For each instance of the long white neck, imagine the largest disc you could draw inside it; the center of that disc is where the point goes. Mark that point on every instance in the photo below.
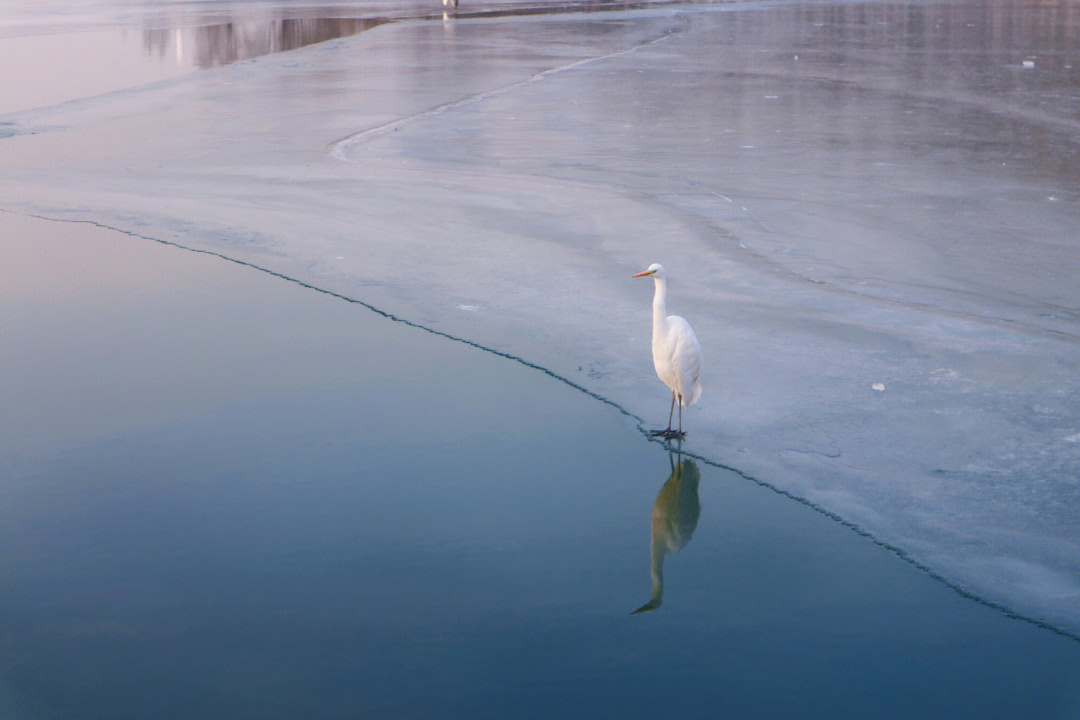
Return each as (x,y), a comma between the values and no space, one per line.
(656,568)
(659,307)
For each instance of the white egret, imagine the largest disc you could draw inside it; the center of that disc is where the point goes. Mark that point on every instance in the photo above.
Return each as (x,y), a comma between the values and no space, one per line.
(675,351)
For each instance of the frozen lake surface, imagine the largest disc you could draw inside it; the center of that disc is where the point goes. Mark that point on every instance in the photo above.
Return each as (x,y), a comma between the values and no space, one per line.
(846,196)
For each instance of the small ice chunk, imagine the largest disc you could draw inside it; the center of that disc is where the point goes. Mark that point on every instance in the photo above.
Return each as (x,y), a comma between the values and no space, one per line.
(468,308)
(1073,438)
(1029,64)
(878,387)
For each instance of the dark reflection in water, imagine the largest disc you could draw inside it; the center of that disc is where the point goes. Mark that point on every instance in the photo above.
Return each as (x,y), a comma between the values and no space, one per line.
(674,518)
(224,43)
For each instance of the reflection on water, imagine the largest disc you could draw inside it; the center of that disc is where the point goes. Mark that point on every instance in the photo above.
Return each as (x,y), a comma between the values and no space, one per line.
(224,43)
(674,518)
(208,42)
(211,42)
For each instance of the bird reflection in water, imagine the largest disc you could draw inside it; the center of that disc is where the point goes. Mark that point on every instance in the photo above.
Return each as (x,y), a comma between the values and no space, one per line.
(674,518)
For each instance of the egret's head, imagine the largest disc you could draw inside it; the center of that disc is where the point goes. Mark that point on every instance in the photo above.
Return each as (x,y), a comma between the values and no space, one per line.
(656,269)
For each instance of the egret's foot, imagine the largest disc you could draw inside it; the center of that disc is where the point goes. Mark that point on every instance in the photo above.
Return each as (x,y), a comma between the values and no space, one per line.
(668,434)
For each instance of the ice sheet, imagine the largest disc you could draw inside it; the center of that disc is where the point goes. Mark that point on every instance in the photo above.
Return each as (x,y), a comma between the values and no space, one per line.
(867,211)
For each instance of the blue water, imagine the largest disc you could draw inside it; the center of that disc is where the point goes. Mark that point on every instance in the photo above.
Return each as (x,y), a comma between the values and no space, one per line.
(259,501)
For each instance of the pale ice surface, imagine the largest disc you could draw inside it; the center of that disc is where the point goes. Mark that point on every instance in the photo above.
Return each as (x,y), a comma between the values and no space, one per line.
(867,210)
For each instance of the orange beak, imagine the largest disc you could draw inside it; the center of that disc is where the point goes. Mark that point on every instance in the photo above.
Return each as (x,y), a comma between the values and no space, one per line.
(643,274)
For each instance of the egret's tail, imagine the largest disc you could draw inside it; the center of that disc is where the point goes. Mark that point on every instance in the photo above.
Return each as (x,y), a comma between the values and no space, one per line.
(687,402)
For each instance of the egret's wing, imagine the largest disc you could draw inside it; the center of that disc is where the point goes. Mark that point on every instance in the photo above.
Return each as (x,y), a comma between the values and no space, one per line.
(686,359)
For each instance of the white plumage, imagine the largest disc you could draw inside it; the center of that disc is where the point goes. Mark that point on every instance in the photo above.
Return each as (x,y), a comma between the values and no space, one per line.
(676,352)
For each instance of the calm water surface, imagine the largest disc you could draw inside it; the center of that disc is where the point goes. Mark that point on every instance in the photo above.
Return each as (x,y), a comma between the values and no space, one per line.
(225,495)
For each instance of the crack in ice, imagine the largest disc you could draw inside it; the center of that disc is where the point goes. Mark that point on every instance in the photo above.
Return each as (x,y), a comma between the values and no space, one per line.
(338,148)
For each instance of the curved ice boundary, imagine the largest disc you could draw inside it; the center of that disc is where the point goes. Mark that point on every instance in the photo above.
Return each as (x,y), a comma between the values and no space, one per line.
(887,305)
(643,428)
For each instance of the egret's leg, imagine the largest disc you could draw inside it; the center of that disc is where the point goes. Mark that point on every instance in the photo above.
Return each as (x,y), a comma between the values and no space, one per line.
(669,433)
(671,414)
